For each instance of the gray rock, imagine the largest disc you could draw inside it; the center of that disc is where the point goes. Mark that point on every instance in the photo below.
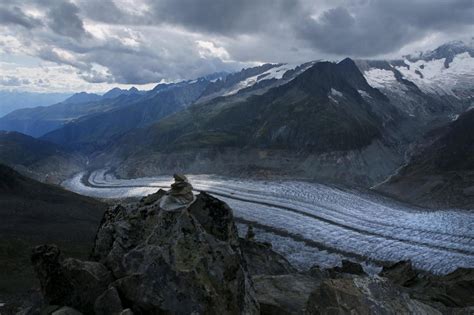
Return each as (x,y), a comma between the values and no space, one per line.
(216,217)
(108,303)
(284,294)
(69,281)
(348,267)
(363,295)
(262,260)
(180,195)
(178,261)
(401,273)
(454,290)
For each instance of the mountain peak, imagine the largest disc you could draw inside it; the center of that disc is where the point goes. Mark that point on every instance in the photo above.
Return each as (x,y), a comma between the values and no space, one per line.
(446,51)
(82,97)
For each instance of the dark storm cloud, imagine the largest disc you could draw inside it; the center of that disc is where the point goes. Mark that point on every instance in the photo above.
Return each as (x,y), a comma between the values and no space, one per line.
(379,27)
(225,16)
(64,19)
(143,41)
(16,16)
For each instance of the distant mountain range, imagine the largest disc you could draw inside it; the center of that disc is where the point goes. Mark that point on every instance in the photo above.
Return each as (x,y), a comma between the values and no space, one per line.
(12,100)
(40,120)
(354,122)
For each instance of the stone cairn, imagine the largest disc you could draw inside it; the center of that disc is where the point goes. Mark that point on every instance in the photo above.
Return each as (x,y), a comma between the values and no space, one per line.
(180,195)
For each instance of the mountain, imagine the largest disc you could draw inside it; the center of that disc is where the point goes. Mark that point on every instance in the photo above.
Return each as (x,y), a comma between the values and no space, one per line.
(441,173)
(94,131)
(40,120)
(82,97)
(116,92)
(34,213)
(12,100)
(39,159)
(324,123)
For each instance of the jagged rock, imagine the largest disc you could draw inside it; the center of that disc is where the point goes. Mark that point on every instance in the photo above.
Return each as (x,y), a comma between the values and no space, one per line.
(348,267)
(180,195)
(181,268)
(284,294)
(216,217)
(108,303)
(69,281)
(451,290)
(176,261)
(152,198)
(363,295)
(262,260)
(401,273)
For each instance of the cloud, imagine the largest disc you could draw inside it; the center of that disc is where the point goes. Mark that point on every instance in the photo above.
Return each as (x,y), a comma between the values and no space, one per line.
(64,19)
(379,27)
(13,81)
(15,16)
(106,42)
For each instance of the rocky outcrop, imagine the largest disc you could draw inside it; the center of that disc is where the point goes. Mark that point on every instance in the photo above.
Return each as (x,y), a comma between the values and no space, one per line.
(262,260)
(363,295)
(454,290)
(156,257)
(284,294)
(176,253)
(69,282)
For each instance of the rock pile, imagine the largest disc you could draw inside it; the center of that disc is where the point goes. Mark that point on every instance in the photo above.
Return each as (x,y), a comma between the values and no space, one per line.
(176,253)
(180,194)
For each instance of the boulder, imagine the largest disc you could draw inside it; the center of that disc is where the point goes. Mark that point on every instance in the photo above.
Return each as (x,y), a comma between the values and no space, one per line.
(152,198)
(262,260)
(108,303)
(363,295)
(69,281)
(401,273)
(347,268)
(284,294)
(454,290)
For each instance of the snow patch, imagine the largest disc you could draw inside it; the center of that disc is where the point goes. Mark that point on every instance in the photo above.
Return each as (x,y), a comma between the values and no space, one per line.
(437,79)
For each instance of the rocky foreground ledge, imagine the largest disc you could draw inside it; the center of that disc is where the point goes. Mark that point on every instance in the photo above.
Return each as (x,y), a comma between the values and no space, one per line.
(176,253)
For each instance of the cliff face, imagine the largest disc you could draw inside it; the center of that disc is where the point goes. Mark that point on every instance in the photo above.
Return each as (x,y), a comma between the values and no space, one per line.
(176,253)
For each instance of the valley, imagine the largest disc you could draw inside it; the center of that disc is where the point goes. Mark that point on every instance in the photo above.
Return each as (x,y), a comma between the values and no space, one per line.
(318,224)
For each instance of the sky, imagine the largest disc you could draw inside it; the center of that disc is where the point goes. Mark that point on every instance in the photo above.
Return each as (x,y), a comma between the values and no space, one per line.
(94,45)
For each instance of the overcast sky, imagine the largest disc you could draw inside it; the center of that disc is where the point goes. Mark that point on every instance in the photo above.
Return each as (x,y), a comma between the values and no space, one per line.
(93,45)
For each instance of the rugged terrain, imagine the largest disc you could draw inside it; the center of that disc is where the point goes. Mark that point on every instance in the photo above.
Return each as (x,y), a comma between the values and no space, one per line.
(42,160)
(33,213)
(174,252)
(442,172)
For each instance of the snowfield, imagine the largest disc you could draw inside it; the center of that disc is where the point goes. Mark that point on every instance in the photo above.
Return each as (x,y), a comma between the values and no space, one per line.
(318,224)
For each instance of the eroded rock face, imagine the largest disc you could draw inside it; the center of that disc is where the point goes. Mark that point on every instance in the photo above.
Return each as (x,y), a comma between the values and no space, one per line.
(153,260)
(363,295)
(284,294)
(454,290)
(262,260)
